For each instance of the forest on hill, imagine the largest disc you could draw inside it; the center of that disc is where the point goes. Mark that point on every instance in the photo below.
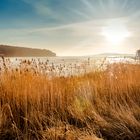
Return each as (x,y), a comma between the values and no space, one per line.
(13,51)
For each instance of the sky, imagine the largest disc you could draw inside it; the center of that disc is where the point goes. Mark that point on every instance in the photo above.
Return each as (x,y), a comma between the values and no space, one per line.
(72,27)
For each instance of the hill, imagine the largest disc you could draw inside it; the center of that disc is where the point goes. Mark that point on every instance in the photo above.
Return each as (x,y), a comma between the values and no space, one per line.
(13,51)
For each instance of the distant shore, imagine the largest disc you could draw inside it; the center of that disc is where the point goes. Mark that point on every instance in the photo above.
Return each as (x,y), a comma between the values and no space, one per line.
(13,51)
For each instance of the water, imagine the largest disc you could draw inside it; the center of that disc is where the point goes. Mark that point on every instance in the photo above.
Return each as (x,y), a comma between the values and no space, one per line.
(63,66)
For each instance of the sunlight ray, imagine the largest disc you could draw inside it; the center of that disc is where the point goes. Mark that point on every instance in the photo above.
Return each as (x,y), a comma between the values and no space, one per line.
(78,12)
(101,3)
(88,4)
(124,4)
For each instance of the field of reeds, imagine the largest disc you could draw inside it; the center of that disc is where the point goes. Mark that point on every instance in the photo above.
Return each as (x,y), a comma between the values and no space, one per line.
(103,104)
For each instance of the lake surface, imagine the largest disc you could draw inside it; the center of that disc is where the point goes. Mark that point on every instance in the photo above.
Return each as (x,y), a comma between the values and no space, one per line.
(64,66)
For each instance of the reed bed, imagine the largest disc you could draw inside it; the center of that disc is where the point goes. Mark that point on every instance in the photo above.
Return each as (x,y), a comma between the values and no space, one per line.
(102,104)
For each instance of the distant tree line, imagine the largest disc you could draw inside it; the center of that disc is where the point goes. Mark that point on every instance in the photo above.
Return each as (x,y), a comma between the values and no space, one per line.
(13,51)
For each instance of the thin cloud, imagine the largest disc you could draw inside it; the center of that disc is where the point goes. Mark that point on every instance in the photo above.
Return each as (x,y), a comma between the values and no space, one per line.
(41,7)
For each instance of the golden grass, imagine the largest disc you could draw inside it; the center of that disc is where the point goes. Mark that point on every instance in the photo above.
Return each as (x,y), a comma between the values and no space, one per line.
(97,105)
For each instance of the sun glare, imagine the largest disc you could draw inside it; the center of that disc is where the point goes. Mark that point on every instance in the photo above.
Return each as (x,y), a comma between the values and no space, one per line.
(115,33)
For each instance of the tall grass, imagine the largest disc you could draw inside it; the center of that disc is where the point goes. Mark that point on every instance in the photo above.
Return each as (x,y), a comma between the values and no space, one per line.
(97,105)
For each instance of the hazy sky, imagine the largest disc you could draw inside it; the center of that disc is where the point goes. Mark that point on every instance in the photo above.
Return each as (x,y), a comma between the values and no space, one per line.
(72,27)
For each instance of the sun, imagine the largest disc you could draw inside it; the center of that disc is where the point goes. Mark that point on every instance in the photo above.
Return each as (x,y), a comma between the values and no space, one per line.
(115,33)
